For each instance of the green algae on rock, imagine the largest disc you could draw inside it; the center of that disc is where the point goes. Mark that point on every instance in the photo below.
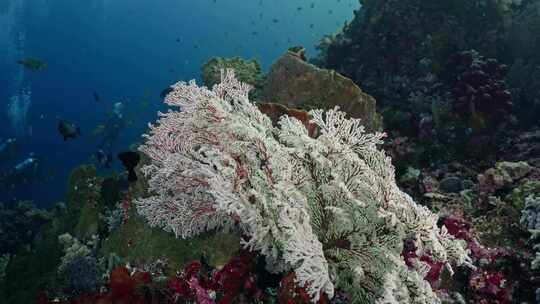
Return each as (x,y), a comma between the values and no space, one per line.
(84,201)
(248,71)
(136,242)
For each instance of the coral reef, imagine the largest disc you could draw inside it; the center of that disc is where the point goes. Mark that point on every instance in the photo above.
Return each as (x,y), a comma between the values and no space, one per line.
(273,195)
(4,261)
(530,220)
(524,74)
(479,89)
(19,225)
(326,207)
(439,75)
(84,201)
(78,269)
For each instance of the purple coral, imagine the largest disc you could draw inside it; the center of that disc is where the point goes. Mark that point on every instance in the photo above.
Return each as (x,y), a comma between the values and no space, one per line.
(479,87)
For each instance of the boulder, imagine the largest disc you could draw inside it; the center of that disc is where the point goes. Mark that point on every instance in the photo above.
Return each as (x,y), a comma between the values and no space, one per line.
(295,83)
(276,110)
(451,184)
(502,175)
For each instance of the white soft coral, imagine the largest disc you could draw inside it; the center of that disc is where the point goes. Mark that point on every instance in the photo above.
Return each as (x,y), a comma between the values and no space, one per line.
(300,200)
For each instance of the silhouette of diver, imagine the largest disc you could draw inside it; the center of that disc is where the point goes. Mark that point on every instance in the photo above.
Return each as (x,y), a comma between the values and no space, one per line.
(114,124)
(24,172)
(8,149)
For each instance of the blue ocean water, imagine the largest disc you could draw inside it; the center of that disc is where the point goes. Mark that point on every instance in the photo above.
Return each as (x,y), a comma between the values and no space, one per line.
(125,51)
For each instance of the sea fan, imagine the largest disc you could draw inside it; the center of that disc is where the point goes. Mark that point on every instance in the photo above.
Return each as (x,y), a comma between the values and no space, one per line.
(326,207)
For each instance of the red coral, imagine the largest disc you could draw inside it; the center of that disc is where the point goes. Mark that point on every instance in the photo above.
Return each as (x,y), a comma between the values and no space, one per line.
(180,288)
(291,293)
(231,279)
(435,268)
(235,282)
(489,287)
(486,287)
(121,283)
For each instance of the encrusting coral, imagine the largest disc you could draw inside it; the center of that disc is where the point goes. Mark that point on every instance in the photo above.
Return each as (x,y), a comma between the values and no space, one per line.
(327,208)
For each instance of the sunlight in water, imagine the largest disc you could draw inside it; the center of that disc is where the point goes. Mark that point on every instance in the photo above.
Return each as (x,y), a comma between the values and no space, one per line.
(17,112)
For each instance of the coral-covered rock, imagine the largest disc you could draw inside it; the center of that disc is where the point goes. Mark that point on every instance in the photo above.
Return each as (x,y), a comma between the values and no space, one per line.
(298,84)
(248,71)
(20,224)
(503,174)
(451,184)
(479,88)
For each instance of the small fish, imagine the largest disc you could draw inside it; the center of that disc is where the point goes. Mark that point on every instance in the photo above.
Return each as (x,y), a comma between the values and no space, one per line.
(33,64)
(178,40)
(68,129)
(311,26)
(130,160)
(275,20)
(312,5)
(96,96)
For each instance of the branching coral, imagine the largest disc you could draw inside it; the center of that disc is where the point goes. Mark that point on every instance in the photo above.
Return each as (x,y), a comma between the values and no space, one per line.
(79,268)
(530,220)
(326,207)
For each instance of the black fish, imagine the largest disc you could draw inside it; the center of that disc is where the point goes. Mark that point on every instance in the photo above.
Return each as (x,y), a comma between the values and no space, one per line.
(165,92)
(68,130)
(96,96)
(130,160)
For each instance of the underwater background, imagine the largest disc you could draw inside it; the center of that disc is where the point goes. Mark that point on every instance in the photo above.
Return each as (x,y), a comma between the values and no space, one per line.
(270,151)
(126,51)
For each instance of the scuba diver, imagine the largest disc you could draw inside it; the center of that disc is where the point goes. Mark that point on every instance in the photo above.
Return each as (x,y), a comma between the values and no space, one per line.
(111,131)
(8,149)
(24,172)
